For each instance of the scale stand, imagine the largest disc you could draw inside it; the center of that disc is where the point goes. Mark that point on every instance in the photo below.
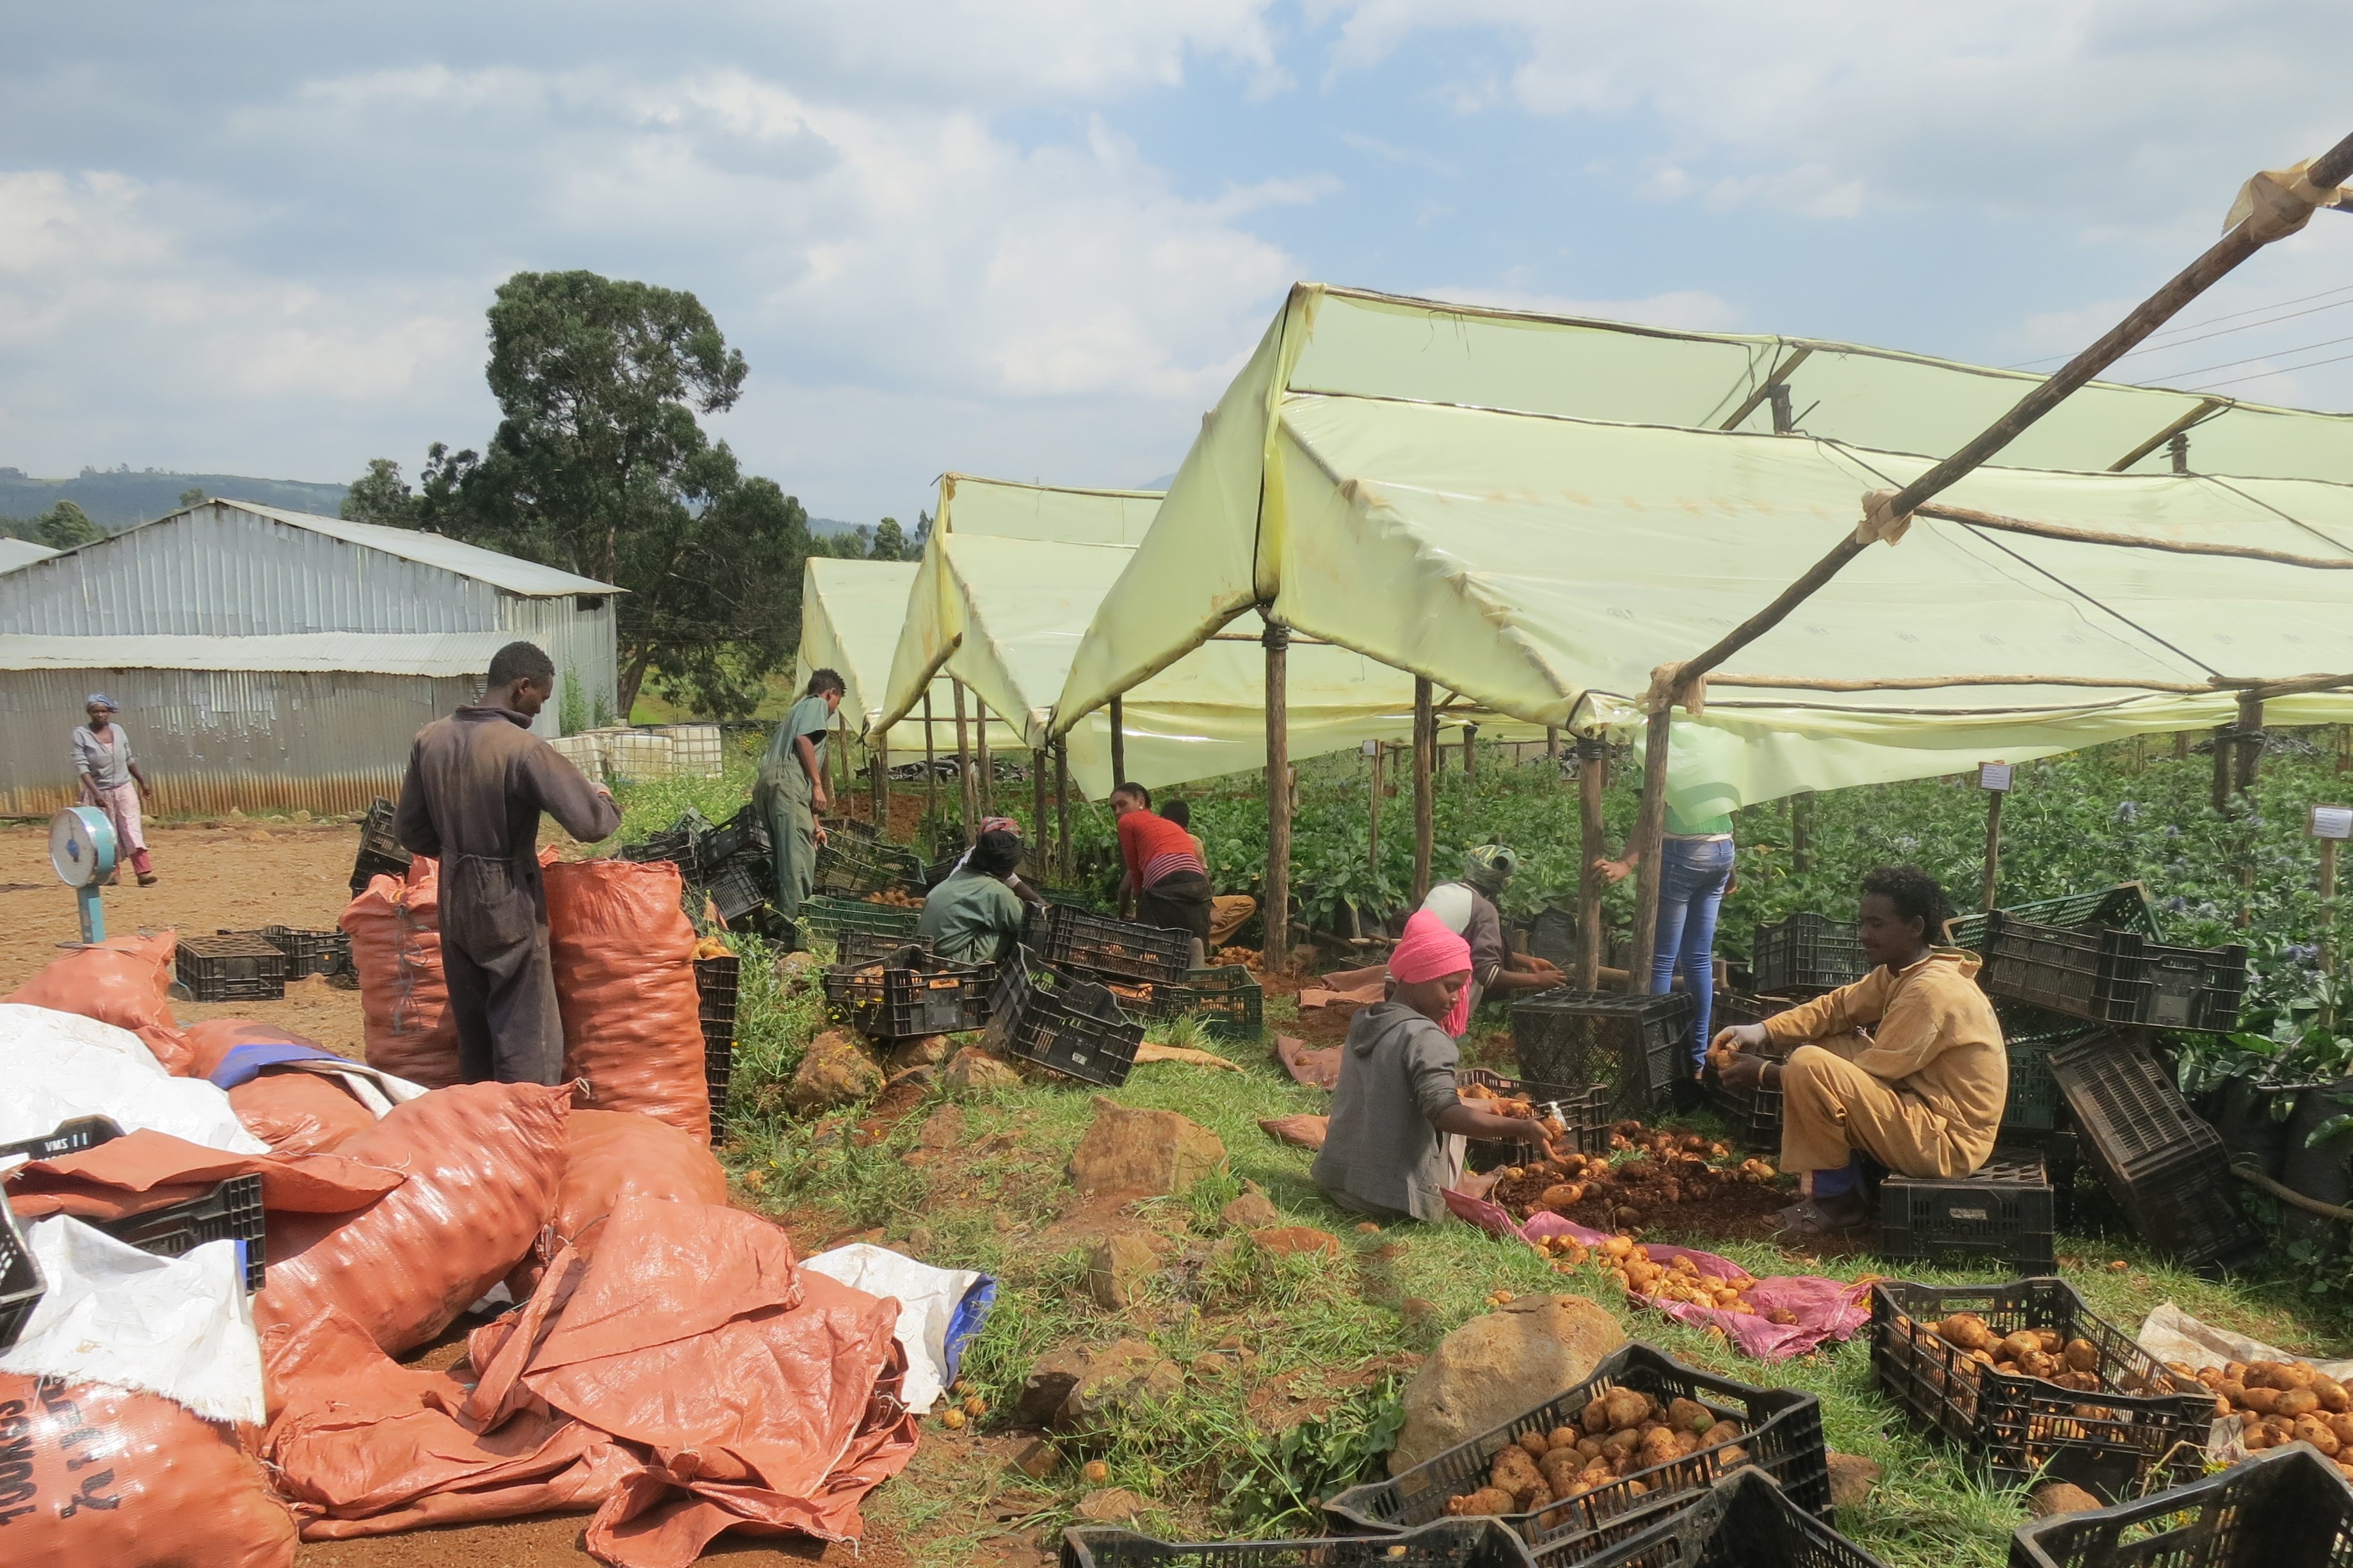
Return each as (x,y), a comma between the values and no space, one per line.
(81,848)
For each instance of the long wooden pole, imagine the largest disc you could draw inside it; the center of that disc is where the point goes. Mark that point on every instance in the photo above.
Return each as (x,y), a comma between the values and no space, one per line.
(986,768)
(2250,741)
(1373,814)
(1993,848)
(1041,831)
(1118,743)
(1592,786)
(931,770)
(882,754)
(1062,806)
(2328,172)
(1471,759)
(1650,826)
(1425,818)
(968,794)
(1277,913)
(2328,918)
(1801,831)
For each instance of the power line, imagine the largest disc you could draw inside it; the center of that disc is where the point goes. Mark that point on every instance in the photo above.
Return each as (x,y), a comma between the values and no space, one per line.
(2283,370)
(2211,321)
(2251,359)
(2245,327)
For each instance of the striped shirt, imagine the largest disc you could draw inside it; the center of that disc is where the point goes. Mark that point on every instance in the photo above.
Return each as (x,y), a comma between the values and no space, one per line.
(1156,849)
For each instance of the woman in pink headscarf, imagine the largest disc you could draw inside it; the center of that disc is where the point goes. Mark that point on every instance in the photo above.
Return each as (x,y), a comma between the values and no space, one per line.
(1385,1153)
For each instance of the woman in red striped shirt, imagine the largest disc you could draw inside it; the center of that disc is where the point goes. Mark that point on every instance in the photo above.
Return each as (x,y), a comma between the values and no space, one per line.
(1164,871)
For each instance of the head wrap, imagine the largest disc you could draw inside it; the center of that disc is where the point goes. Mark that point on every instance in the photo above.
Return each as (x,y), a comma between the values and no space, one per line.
(1452,902)
(1000,824)
(1427,951)
(1489,867)
(99,700)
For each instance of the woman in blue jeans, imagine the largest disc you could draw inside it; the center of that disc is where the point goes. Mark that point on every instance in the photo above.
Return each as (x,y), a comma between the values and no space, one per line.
(1694,878)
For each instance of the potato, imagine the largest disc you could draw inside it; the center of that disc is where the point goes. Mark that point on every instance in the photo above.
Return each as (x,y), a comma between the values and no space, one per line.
(2295,1402)
(2052,1340)
(1561,1466)
(2343,1427)
(1535,1443)
(2017,1347)
(1485,1501)
(2331,1394)
(2082,1355)
(1966,1330)
(2221,1407)
(2261,1374)
(2312,1429)
(1628,1407)
(1513,1470)
(1588,1448)
(1595,1417)
(1534,1498)
(1689,1415)
(2261,1400)
(2294,1374)
(2232,1390)
(2040,1364)
(1561,1195)
(2236,1371)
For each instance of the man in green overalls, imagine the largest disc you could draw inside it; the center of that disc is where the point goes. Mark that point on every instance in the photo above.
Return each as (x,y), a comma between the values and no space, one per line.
(791,790)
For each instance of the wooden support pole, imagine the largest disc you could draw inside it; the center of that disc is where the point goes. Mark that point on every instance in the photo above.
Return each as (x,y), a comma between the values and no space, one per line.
(1470,758)
(1650,826)
(2329,170)
(1552,742)
(931,767)
(967,793)
(1425,764)
(2344,749)
(2220,796)
(1993,847)
(1373,813)
(1062,806)
(1041,831)
(1277,913)
(2250,741)
(985,767)
(1118,743)
(1801,831)
(2181,745)
(881,756)
(2329,907)
(1592,786)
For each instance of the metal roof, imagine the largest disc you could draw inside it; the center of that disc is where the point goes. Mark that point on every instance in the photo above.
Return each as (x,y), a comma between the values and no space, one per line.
(377,653)
(511,574)
(15,552)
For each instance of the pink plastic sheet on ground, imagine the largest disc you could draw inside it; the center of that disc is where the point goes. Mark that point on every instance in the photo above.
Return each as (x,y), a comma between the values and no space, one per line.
(1825,1309)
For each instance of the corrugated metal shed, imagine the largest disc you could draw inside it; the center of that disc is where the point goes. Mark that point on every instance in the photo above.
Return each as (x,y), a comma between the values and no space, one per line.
(355,653)
(15,552)
(237,569)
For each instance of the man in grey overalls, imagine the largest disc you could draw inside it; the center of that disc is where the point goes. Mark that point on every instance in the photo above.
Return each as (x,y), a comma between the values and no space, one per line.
(791,790)
(477,783)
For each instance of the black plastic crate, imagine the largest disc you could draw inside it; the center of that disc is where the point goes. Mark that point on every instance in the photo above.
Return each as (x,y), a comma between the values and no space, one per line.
(874,947)
(1632,1046)
(2034,1107)
(2125,907)
(1806,951)
(739,889)
(70,1137)
(308,952)
(1086,943)
(837,917)
(21,1284)
(2195,988)
(1744,1522)
(235,967)
(230,1212)
(1584,1112)
(1230,1003)
(741,834)
(2004,1212)
(1754,1117)
(1062,1021)
(852,865)
(897,1000)
(715,983)
(2095,973)
(2282,1507)
(1781,1432)
(2169,1170)
(2113,1444)
(1454,1543)
(381,852)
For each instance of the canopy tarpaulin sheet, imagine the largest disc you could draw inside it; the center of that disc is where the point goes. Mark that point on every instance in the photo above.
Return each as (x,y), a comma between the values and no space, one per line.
(1543,566)
(1010,582)
(850,614)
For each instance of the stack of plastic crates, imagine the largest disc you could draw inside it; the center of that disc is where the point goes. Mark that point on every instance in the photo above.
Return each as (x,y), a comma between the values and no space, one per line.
(1806,952)
(1074,940)
(716,982)
(2005,1211)
(2104,976)
(1633,1047)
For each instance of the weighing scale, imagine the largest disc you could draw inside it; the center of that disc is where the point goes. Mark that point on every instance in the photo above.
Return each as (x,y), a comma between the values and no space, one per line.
(81,847)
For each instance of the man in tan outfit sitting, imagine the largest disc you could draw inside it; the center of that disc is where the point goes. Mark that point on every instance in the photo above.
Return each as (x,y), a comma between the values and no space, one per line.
(1906,1065)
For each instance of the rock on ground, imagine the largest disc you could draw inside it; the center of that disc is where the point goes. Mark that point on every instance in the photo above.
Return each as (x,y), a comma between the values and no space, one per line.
(1142,1152)
(927,1051)
(835,1071)
(1119,1266)
(1073,1384)
(1289,1240)
(1853,1479)
(1112,1505)
(1495,1366)
(974,1071)
(1252,1211)
(2060,1496)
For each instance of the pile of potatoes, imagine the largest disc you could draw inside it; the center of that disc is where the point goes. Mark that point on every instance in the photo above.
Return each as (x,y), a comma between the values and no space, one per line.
(1515,1105)
(2280,1402)
(2031,1353)
(1672,1168)
(1678,1280)
(896,898)
(1619,1433)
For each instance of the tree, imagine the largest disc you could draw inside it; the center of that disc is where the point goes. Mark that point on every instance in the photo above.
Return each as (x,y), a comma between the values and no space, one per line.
(66,526)
(193,496)
(380,495)
(922,535)
(890,543)
(600,465)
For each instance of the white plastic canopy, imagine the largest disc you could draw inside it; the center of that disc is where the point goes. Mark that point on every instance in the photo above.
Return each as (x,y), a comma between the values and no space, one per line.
(850,614)
(1543,565)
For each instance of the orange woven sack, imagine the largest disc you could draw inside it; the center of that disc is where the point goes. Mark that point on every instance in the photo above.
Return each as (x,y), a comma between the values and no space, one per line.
(484,1161)
(624,954)
(91,1474)
(292,1110)
(605,1149)
(125,981)
(396,930)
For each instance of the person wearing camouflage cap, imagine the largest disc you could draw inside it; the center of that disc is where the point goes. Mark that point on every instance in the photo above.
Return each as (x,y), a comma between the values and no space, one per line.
(1467,908)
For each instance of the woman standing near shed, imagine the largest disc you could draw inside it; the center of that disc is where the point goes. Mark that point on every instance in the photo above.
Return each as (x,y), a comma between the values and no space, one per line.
(111,781)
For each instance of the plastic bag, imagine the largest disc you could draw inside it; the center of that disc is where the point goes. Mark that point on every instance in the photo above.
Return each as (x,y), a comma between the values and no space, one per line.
(179,1327)
(484,1161)
(93,1475)
(395,932)
(125,981)
(624,956)
(63,1065)
(940,1309)
(605,1149)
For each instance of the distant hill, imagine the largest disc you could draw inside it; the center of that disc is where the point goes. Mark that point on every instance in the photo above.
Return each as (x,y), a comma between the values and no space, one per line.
(116,499)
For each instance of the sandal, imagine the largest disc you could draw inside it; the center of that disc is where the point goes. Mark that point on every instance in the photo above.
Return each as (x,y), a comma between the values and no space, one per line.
(148,878)
(1805,1222)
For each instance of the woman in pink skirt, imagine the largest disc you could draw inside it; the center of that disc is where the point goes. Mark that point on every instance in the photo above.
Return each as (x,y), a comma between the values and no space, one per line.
(111,781)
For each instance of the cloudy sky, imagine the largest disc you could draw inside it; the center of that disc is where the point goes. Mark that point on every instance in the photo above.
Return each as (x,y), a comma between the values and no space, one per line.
(1034,237)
